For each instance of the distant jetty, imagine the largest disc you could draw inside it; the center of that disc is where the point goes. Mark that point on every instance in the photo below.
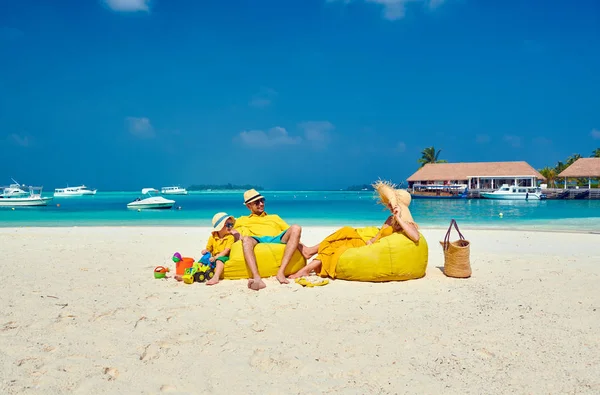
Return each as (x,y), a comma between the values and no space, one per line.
(222,187)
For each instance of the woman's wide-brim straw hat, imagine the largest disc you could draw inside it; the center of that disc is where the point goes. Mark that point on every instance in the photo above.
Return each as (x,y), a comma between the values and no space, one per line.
(252,195)
(388,196)
(219,220)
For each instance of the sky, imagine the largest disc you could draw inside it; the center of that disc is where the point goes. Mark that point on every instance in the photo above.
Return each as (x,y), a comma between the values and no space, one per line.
(295,94)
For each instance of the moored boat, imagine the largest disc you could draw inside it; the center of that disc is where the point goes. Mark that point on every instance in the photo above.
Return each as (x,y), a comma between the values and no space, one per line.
(176,190)
(513,192)
(34,199)
(458,191)
(151,202)
(81,190)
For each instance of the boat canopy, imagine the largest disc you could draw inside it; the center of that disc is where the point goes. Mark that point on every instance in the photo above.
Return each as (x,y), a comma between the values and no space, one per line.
(146,190)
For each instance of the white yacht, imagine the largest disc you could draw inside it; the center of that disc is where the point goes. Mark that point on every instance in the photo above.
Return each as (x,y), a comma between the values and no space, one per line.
(81,190)
(173,191)
(151,202)
(513,192)
(34,199)
(13,190)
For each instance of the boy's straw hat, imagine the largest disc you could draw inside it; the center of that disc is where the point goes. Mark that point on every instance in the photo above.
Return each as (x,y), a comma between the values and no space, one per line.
(251,195)
(219,220)
(389,195)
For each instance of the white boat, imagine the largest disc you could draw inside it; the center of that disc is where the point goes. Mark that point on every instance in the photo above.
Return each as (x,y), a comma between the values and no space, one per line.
(151,202)
(34,199)
(173,191)
(13,190)
(81,190)
(512,192)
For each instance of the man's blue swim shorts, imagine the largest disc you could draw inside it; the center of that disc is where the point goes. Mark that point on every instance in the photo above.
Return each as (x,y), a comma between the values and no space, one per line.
(270,239)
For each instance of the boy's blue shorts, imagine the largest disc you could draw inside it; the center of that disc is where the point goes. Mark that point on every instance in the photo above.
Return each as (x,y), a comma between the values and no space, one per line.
(270,239)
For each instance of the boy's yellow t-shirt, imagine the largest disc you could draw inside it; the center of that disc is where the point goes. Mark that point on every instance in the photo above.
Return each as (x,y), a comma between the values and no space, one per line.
(216,244)
(260,225)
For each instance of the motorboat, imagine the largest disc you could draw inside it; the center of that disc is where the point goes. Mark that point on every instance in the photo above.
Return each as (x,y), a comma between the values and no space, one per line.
(177,190)
(151,202)
(13,190)
(513,192)
(455,191)
(81,190)
(34,199)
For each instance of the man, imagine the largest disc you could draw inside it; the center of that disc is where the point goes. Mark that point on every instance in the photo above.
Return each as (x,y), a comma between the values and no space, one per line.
(260,227)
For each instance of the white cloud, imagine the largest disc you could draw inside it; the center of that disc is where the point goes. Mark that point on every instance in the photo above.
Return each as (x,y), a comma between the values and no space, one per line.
(515,141)
(595,133)
(317,132)
(273,137)
(396,9)
(22,141)
(401,146)
(482,139)
(140,127)
(263,98)
(128,5)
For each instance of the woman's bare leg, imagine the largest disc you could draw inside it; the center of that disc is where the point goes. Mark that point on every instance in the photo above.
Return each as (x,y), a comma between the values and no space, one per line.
(315,265)
(308,252)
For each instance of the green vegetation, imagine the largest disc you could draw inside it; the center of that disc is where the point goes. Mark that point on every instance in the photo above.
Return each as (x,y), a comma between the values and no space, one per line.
(429,155)
(551,173)
(226,187)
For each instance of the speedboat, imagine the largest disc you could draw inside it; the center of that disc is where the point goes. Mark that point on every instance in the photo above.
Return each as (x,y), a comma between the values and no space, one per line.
(81,190)
(13,190)
(173,191)
(34,199)
(151,202)
(513,192)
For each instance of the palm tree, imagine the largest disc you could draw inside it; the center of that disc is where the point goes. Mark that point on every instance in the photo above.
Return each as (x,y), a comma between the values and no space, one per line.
(550,175)
(560,166)
(595,153)
(429,155)
(572,159)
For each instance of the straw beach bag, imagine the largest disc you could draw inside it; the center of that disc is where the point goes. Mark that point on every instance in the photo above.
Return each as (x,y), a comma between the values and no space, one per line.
(456,254)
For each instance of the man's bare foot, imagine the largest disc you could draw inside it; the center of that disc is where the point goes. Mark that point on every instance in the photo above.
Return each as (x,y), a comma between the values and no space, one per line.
(256,284)
(281,278)
(213,281)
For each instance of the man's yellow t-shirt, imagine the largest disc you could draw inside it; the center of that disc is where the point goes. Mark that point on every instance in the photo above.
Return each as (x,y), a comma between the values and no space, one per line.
(216,244)
(260,225)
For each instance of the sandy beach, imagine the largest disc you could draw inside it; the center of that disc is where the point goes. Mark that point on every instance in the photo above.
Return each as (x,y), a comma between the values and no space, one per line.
(81,313)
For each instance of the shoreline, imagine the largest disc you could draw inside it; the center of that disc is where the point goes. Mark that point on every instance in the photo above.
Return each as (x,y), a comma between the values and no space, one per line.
(320,227)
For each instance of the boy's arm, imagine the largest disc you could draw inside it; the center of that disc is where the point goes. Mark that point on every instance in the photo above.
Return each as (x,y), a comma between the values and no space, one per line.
(209,245)
(225,252)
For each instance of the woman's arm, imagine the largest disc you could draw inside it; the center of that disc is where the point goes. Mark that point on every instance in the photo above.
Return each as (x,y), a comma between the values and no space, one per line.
(388,222)
(409,229)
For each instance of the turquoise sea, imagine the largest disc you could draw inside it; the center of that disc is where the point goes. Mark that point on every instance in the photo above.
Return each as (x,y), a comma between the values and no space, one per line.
(308,208)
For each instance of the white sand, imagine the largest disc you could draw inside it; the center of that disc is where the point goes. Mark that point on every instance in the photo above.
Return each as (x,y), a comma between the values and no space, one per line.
(81,313)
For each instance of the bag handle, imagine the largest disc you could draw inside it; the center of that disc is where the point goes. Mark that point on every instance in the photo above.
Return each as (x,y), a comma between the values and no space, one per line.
(447,237)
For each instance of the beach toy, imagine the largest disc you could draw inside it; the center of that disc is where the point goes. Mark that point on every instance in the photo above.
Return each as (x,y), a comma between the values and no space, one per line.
(160,271)
(205,259)
(182,264)
(176,257)
(198,273)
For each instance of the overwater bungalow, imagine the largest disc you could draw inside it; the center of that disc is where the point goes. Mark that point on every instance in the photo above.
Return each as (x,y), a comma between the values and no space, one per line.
(587,168)
(475,175)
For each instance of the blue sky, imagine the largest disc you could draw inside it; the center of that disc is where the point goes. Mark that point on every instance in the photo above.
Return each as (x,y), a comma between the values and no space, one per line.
(125,94)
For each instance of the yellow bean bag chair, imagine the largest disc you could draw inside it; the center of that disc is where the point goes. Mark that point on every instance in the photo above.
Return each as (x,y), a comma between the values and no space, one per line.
(268,259)
(393,258)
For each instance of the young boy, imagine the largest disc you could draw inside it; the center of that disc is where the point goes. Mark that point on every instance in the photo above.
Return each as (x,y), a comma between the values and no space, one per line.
(219,243)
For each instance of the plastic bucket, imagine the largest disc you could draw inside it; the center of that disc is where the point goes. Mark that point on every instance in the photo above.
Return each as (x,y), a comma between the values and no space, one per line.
(183,264)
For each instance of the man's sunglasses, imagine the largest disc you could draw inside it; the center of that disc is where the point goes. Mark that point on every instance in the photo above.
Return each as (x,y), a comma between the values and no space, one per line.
(259,201)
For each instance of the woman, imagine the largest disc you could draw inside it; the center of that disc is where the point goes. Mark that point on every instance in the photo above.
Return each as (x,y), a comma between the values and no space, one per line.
(332,247)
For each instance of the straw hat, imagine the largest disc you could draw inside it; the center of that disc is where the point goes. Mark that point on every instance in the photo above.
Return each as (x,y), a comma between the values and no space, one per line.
(251,195)
(219,220)
(387,195)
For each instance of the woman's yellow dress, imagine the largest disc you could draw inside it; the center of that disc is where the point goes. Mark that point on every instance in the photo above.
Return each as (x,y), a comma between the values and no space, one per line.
(334,245)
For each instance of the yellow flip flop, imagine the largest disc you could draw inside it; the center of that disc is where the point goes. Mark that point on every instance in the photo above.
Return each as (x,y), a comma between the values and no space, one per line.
(305,282)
